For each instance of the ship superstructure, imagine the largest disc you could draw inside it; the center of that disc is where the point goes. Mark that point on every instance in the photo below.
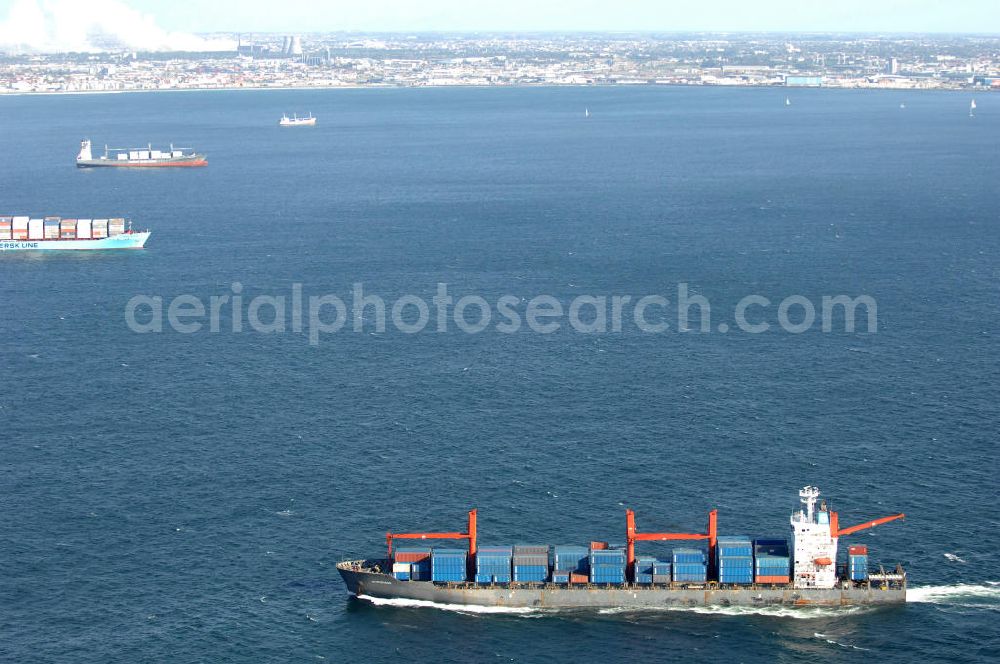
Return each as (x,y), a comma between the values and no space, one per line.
(145,157)
(731,570)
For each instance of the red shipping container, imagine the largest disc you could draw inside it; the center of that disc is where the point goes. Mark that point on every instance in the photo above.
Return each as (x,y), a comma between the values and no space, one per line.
(574,577)
(411,556)
(771,579)
(599,546)
(858,550)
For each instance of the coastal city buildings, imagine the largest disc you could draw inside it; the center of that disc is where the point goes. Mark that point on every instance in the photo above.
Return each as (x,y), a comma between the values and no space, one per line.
(338,60)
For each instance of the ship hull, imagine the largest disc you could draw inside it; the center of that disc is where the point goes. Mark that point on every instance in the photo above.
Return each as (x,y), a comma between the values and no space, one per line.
(182,162)
(124,241)
(368,583)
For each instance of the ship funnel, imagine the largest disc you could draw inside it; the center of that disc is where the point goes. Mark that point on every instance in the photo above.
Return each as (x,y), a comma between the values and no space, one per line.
(85,154)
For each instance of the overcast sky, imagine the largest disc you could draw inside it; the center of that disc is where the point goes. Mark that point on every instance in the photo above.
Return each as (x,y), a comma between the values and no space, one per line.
(979,16)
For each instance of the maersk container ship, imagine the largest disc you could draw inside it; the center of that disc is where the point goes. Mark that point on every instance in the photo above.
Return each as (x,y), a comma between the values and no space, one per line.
(56,233)
(733,570)
(145,157)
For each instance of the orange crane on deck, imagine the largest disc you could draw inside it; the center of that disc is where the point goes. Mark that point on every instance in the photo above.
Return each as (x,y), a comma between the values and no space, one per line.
(469,534)
(632,536)
(835,530)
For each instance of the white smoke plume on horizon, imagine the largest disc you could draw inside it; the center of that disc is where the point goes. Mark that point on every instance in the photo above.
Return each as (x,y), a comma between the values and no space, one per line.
(91,26)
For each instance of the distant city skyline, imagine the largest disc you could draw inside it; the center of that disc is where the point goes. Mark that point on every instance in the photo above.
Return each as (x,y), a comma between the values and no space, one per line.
(46,23)
(582,15)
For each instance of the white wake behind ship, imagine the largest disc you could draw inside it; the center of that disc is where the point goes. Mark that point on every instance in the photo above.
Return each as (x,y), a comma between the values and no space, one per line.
(296,121)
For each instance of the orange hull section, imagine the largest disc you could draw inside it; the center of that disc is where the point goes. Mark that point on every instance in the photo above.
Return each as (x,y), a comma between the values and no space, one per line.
(179,164)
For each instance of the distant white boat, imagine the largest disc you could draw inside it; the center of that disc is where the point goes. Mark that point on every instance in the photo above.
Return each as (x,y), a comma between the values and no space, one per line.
(902,105)
(296,121)
(788,102)
(972,108)
(586,112)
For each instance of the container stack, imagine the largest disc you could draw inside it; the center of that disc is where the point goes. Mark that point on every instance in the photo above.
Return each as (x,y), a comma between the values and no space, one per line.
(419,559)
(661,571)
(734,559)
(100,228)
(531,563)
(772,563)
(401,571)
(51,228)
(67,229)
(857,562)
(493,564)
(6,227)
(448,565)
(607,566)
(644,568)
(689,566)
(560,576)
(83,229)
(21,228)
(116,227)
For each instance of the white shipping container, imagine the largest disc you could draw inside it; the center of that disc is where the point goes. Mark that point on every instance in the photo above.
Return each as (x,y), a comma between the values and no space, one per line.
(156,154)
(35,229)
(133,154)
(20,223)
(122,156)
(99,228)
(176,153)
(143,154)
(5,233)
(83,229)
(401,567)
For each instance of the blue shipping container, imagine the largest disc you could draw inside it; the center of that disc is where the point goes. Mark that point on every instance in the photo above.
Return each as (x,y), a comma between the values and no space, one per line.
(560,576)
(770,547)
(735,545)
(688,556)
(448,565)
(571,558)
(530,573)
(858,567)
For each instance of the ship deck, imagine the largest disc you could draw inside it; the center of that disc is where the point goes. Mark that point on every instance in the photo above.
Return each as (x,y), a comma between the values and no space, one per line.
(364,577)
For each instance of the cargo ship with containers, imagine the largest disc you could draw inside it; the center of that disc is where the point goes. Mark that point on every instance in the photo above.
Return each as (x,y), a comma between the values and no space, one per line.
(56,233)
(145,157)
(732,570)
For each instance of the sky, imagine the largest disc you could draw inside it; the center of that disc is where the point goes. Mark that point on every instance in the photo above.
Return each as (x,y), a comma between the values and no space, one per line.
(47,25)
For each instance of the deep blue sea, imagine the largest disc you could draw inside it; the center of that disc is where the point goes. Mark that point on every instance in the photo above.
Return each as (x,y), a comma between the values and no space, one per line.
(179,497)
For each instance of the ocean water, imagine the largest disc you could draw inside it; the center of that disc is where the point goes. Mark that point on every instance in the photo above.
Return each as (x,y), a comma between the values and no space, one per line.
(185,497)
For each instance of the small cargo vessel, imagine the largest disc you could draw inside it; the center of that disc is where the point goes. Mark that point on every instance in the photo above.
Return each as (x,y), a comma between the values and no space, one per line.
(56,233)
(296,121)
(145,157)
(733,570)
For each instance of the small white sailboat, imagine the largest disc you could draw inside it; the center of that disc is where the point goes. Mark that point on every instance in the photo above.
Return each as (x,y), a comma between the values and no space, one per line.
(586,112)
(972,109)
(788,102)
(296,121)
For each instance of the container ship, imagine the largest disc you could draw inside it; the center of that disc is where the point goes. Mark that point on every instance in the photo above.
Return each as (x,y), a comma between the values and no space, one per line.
(734,570)
(56,233)
(138,157)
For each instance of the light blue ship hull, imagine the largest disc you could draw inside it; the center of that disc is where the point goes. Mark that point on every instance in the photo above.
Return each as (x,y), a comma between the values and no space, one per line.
(124,241)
